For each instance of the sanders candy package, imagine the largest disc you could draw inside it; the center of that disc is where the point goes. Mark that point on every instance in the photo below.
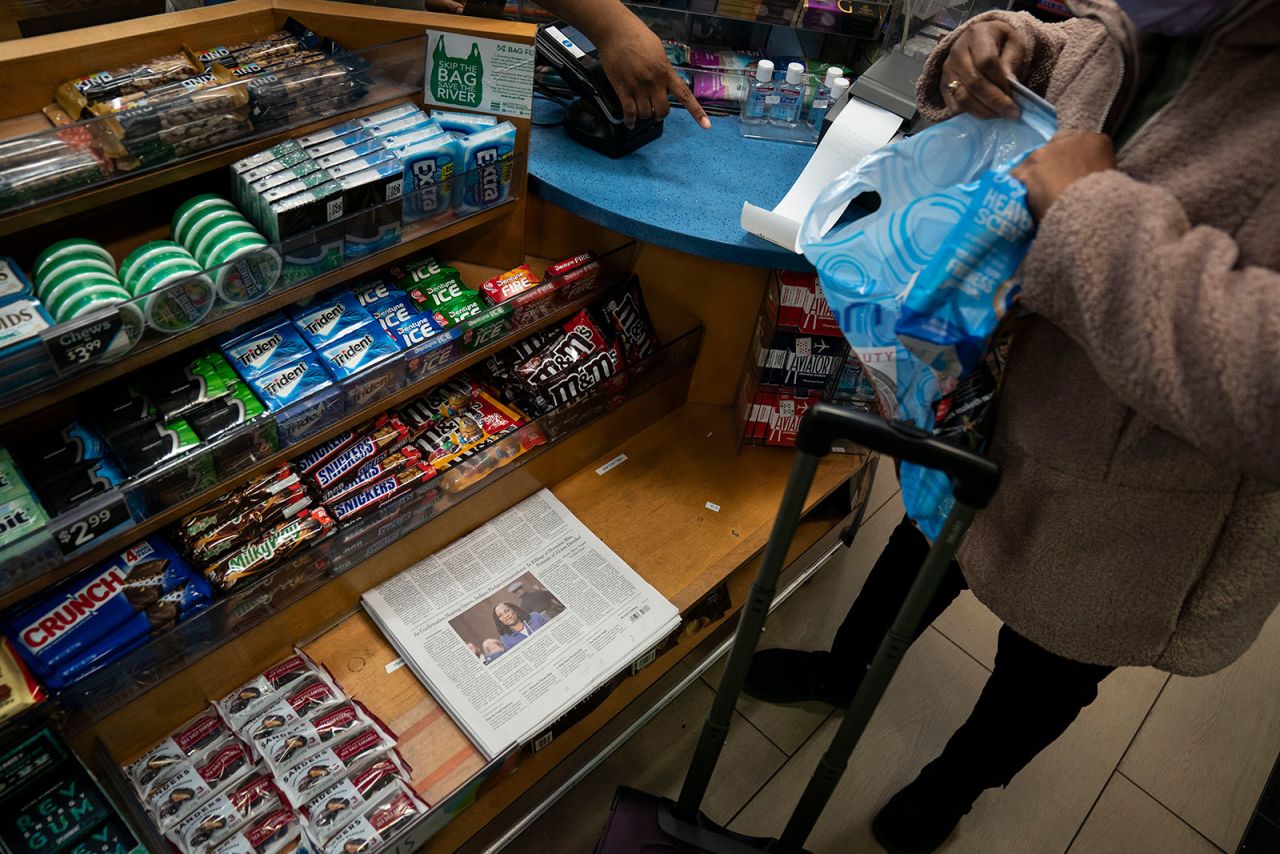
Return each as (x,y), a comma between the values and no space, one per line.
(222,815)
(242,704)
(272,833)
(309,698)
(344,802)
(488,161)
(306,779)
(178,795)
(379,824)
(193,737)
(291,744)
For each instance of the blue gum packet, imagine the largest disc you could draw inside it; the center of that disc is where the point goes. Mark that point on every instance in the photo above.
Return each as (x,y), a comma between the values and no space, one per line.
(324,322)
(430,169)
(488,161)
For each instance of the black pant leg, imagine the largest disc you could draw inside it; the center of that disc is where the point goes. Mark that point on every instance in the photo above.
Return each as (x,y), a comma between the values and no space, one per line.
(1030,699)
(886,588)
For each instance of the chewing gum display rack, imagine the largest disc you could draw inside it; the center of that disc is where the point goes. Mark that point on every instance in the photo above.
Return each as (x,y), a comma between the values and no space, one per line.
(96,696)
(144,503)
(84,352)
(56,169)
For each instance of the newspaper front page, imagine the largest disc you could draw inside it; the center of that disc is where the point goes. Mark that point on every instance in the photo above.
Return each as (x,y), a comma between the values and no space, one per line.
(511,625)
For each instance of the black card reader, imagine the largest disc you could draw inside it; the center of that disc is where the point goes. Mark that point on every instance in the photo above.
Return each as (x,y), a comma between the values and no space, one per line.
(595,119)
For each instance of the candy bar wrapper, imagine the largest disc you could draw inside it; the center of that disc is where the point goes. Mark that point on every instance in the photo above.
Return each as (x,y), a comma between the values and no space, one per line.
(580,338)
(193,737)
(606,368)
(76,95)
(383,491)
(308,463)
(501,288)
(371,472)
(449,398)
(252,520)
(379,824)
(272,833)
(212,515)
(19,690)
(244,703)
(483,421)
(493,455)
(179,794)
(63,623)
(388,433)
(325,767)
(344,802)
(626,311)
(260,554)
(502,365)
(309,699)
(289,746)
(224,814)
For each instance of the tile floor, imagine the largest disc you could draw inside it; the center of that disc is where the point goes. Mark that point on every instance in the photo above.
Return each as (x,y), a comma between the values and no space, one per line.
(1157,764)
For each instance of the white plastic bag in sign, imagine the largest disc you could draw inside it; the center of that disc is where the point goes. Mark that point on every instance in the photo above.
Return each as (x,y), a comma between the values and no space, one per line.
(926,184)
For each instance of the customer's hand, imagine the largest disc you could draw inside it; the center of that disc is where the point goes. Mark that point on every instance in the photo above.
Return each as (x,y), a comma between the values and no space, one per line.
(975,74)
(1063,160)
(637,66)
(452,7)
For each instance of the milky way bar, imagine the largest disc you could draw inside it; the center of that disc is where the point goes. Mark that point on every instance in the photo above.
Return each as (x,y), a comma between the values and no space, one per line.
(260,489)
(387,433)
(382,491)
(281,541)
(252,519)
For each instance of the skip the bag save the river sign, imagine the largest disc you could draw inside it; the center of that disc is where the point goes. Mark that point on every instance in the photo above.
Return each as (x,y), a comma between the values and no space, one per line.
(485,75)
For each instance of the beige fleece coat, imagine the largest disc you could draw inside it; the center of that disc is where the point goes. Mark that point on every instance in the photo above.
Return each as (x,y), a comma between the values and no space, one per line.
(1138,522)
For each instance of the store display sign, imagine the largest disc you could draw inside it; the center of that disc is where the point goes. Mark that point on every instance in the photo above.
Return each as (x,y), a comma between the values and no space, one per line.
(73,347)
(485,75)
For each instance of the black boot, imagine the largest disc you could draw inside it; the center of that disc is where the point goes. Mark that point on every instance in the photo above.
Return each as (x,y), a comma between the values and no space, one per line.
(794,676)
(923,815)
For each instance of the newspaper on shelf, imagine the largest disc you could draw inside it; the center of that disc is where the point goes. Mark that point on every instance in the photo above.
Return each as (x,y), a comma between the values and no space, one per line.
(510,626)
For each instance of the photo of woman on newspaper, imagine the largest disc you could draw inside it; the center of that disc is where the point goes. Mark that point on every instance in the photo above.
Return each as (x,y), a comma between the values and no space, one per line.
(496,624)
(514,624)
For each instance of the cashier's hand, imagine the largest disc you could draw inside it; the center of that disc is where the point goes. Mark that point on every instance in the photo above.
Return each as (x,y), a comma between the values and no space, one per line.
(975,74)
(1069,156)
(637,66)
(450,6)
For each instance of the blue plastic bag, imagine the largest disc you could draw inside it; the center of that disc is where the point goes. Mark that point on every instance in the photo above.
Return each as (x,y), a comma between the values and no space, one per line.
(918,286)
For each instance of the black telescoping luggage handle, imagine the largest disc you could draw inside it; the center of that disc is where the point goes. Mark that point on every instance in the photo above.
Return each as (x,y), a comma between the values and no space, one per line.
(976,476)
(976,479)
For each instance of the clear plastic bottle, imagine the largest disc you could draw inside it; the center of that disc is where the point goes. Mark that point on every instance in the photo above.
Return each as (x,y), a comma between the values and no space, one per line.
(760,95)
(786,112)
(839,95)
(822,98)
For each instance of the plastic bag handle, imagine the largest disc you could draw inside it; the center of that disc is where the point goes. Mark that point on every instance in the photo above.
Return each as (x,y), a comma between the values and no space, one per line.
(976,476)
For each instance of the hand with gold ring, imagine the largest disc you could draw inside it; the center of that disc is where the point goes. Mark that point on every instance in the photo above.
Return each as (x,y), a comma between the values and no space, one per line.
(978,68)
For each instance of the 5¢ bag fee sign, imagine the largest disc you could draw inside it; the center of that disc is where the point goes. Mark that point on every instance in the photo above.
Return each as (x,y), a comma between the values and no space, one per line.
(485,75)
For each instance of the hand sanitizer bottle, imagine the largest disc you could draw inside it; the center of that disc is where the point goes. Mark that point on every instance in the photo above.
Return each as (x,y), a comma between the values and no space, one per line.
(822,98)
(760,95)
(839,97)
(786,113)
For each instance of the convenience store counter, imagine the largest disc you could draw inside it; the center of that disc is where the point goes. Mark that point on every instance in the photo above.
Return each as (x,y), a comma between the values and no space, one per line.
(683,191)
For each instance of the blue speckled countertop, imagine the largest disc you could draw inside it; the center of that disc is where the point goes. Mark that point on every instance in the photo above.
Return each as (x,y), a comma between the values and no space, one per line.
(683,191)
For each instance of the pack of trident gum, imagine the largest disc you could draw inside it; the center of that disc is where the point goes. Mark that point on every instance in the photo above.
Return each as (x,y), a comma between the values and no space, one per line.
(290,382)
(367,346)
(265,347)
(328,320)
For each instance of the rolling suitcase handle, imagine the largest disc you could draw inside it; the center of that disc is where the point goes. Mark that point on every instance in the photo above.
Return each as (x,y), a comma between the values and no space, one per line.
(975,481)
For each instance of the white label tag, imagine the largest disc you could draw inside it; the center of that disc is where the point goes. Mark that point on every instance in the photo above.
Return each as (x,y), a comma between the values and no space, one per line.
(772,99)
(612,464)
(713,507)
(393,666)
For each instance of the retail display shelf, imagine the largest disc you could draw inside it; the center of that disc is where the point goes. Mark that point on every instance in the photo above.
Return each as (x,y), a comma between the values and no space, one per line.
(167,654)
(62,383)
(386,73)
(262,443)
